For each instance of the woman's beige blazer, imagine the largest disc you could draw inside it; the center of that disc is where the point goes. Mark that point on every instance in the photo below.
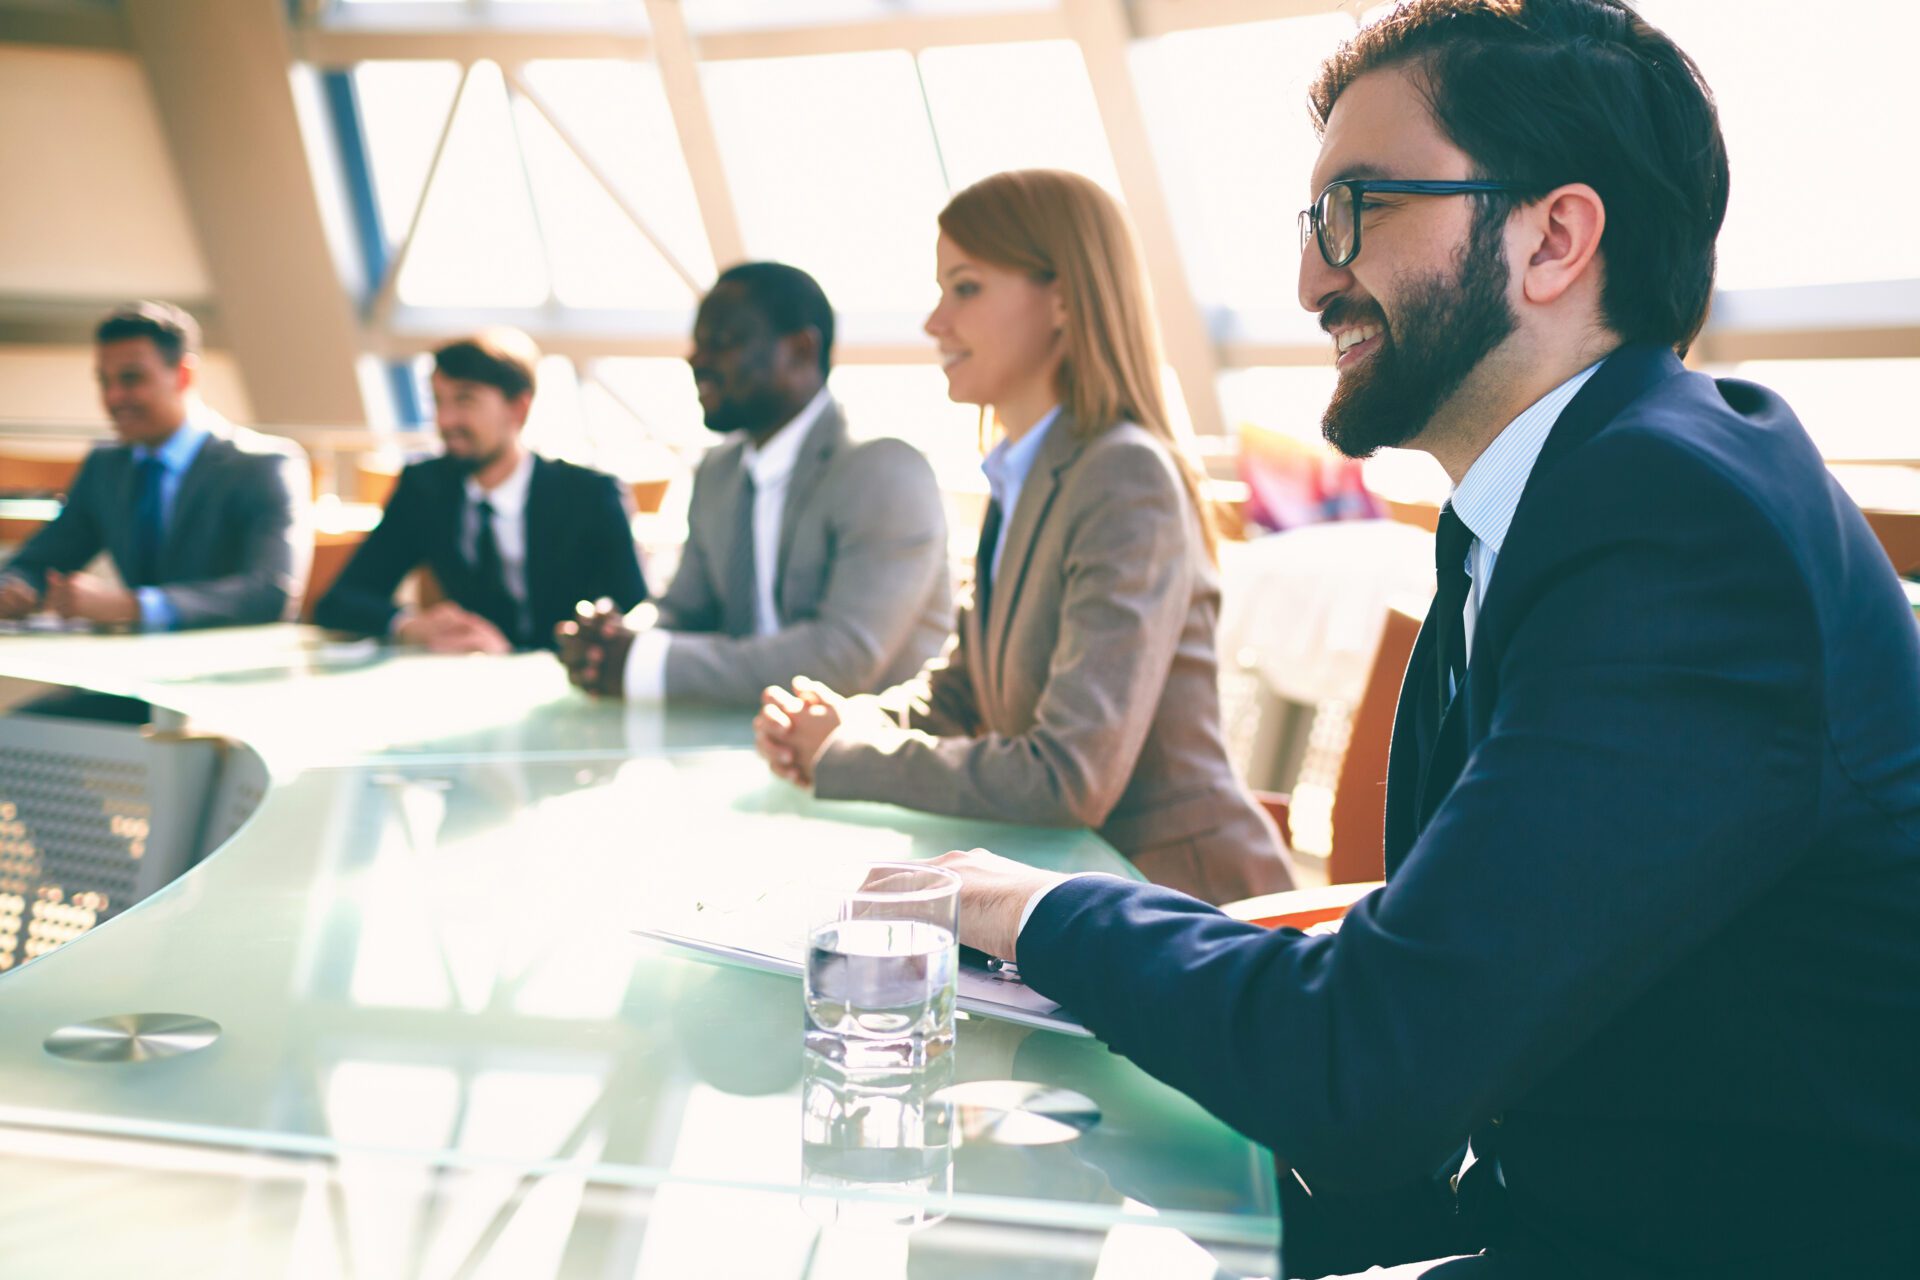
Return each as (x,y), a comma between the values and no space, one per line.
(1088,694)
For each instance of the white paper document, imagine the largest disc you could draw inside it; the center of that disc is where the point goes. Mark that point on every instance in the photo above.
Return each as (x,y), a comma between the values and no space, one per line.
(760,922)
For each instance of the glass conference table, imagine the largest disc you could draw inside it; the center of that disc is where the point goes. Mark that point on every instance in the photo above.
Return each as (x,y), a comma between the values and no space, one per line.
(443,1051)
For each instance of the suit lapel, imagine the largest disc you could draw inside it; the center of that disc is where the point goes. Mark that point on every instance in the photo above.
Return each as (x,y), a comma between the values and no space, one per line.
(1429,752)
(1062,446)
(122,485)
(202,478)
(824,437)
(1414,734)
(541,519)
(456,580)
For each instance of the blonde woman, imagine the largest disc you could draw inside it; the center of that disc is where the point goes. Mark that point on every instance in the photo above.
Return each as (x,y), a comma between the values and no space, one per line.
(1080,685)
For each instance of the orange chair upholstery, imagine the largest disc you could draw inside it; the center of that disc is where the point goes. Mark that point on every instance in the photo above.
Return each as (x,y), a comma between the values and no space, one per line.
(1300,908)
(34,471)
(1899,533)
(1354,865)
(1360,791)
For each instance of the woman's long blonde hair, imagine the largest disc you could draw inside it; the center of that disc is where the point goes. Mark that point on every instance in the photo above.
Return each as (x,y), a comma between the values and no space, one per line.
(1060,227)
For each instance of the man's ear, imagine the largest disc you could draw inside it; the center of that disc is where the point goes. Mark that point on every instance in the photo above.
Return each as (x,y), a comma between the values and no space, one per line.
(186,374)
(520,406)
(1562,237)
(802,348)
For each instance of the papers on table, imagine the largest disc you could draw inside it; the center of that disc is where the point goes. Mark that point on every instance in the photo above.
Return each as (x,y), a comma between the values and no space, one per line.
(762,924)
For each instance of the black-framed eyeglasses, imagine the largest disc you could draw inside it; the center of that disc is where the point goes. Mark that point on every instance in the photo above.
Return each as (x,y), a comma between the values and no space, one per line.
(1334,219)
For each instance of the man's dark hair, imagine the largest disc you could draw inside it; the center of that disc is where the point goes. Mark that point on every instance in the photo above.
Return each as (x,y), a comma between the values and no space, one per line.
(789,298)
(172,331)
(1545,92)
(504,359)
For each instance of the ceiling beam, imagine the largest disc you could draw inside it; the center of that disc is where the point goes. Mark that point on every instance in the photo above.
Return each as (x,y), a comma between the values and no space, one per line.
(1162,17)
(1100,27)
(219,74)
(687,102)
(913,32)
(337,49)
(337,43)
(32,319)
(71,26)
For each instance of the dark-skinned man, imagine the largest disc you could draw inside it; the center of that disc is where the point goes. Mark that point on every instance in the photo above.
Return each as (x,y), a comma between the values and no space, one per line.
(206,522)
(807,554)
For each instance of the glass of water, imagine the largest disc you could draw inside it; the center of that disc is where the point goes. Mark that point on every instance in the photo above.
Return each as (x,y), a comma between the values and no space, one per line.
(881,955)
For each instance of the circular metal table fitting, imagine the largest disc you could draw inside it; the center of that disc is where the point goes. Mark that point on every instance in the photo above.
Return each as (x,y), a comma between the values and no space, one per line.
(133,1037)
(1018,1113)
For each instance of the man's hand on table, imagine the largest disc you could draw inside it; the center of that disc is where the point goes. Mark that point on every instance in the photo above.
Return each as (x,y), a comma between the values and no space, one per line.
(994,892)
(594,648)
(447,628)
(90,599)
(17,597)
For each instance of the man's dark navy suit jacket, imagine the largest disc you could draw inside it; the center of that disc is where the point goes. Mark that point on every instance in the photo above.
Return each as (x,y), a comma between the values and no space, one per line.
(1651,931)
(579,547)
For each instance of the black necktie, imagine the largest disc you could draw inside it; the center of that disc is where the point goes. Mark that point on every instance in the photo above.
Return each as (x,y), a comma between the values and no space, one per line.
(740,587)
(983,558)
(492,599)
(149,522)
(1451,540)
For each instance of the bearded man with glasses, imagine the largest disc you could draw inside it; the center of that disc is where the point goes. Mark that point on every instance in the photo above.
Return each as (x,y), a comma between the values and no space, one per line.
(1641,994)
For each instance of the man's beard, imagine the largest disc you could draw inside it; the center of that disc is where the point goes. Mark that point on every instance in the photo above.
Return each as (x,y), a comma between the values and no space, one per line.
(468,464)
(1446,328)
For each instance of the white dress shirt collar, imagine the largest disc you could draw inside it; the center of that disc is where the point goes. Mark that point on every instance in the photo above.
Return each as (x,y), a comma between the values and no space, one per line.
(183,446)
(1489,494)
(509,497)
(771,463)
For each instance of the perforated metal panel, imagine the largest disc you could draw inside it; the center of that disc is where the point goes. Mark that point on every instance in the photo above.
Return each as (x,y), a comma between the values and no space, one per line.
(92,819)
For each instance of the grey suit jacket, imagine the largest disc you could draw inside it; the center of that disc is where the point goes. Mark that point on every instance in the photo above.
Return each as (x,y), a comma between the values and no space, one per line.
(239,540)
(1088,695)
(862,592)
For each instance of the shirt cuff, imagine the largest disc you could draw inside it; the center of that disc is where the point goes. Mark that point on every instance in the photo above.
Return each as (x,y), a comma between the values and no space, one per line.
(646,679)
(156,611)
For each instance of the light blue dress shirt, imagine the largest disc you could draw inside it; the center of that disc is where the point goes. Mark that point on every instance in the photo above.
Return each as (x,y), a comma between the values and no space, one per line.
(176,455)
(1489,494)
(1007,466)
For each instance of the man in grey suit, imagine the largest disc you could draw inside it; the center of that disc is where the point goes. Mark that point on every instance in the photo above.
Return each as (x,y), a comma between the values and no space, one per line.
(206,522)
(807,554)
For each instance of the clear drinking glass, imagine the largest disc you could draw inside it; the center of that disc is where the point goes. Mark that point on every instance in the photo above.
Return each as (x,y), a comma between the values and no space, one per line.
(881,955)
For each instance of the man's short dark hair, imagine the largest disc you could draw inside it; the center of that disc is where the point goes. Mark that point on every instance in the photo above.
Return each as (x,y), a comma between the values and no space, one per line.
(789,298)
(1545,92)
(504,359)
(171,330)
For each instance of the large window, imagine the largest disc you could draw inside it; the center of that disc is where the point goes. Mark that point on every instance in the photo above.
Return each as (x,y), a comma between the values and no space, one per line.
(533,175)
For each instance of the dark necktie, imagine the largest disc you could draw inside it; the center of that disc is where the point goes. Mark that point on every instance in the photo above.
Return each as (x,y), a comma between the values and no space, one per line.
(1451,540)
(149,522)
(983,558)
(740,587)
(492,599)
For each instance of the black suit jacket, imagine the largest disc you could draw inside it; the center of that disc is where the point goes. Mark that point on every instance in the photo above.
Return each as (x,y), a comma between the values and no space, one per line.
(237,543)
(1651,932)
(579,547)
